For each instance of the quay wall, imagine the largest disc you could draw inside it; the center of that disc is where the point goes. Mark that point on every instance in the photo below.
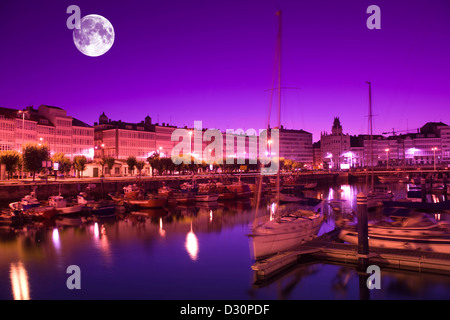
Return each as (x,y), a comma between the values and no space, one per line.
(100,187)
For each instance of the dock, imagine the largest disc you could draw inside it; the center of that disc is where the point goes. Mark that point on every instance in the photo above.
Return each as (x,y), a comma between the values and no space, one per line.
(325,249)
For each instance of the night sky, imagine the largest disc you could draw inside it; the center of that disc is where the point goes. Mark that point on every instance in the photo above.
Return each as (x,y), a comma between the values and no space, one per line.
(212,61)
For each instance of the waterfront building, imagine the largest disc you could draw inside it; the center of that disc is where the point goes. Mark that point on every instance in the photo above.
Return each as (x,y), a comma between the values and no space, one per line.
(120,139)
(429,146)
(317,156)
(293,144)
(296,145)
(444,131)
(163,142)
(335,147)
(47,124)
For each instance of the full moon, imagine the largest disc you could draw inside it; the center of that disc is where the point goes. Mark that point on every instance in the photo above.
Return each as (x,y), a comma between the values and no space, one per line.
(95,37)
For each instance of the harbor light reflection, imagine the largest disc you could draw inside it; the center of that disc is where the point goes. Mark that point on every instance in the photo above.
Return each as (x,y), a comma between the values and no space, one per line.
(162,232)
(19,281)
(56,240)
(191,245)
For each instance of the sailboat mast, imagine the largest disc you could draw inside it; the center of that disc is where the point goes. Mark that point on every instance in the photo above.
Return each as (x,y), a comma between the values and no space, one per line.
(371,133)
(279,98)
(277,59)
(279,68)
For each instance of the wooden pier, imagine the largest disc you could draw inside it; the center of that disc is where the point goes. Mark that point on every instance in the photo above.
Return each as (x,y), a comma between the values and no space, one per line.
(325,249)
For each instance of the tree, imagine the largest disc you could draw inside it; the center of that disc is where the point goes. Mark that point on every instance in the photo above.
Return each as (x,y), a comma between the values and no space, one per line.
(298,165)
(33,155)
(140,165)
(11,160)
(64,162)
(168,165)
(79,164)
(131,162)
(110,161)
(156,163)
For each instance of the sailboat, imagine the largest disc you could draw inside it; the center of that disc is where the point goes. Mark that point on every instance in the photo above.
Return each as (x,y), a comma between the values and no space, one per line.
(377,195)
(290,225)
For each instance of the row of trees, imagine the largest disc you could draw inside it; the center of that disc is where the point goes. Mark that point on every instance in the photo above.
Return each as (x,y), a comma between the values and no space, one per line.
(32,157)
(167,166)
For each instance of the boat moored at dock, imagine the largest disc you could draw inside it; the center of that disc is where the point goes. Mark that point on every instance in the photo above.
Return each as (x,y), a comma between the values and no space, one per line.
(415,230)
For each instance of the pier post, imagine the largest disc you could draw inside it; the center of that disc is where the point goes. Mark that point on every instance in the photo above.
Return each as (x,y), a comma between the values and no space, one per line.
(423,189)
(444,178)
(363,230)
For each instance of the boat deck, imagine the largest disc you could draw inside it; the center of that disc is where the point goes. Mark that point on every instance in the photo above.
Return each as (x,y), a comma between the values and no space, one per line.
(324,248)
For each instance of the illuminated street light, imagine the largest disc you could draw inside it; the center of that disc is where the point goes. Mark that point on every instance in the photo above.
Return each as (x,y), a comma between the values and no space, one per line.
(387,158)
(434,156)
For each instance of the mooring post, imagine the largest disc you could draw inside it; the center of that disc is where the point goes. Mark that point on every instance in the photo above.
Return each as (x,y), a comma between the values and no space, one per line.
(363,230)
(444,177)
(423,189)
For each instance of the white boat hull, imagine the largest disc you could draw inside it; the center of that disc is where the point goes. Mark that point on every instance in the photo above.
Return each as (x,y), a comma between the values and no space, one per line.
(207,197)
(70,209)
(274,237)
(433,244)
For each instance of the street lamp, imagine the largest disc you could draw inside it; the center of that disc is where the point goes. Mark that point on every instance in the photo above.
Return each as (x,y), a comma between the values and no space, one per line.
(387,158)
(190,139)
(434,156)
(23,140)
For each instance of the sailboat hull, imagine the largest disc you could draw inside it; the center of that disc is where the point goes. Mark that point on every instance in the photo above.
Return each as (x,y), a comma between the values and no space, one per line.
(274,237)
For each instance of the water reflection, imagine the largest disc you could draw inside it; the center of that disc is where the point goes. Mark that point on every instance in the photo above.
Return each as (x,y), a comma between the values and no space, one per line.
(162,232)
(102,243)
(191,245)
(56,239)
(153,240)
(19,281)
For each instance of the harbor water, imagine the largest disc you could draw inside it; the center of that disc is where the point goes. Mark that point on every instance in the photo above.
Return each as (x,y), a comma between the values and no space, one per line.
(189,252)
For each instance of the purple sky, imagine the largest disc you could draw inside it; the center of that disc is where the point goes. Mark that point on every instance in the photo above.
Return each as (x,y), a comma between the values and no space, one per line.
(211,61)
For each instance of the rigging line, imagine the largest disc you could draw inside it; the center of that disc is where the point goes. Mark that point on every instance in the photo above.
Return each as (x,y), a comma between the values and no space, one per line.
(259,186)
(279,103)
(273,85)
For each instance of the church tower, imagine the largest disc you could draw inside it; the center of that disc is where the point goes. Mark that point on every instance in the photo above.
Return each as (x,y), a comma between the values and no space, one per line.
(103,119)
(337,128)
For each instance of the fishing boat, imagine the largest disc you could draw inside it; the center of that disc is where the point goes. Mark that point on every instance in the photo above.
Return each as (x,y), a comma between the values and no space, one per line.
(225,194)
(206,193)
(10,218)
(414,230)
(31,207)
(148,202)
(63,207)
(102,209)
(396,178)
(290,226)
(27,202)
(165,192)
(183,197)
(241,190)
(41,212)
(84,199)
(378,196)
(206,197)
(131,191)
